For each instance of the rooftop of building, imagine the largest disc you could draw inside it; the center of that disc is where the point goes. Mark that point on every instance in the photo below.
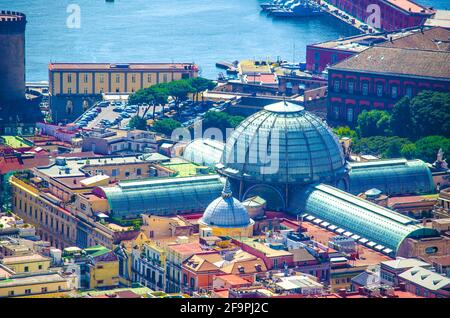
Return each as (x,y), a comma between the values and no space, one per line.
(44,278)
(399,61)
(263,248)
(368,256)
(35,257)
(118,66)
(441,260)
(432,198)
(97,250)
(232,279)
(426,278)
(434,39)
(16,141)
(186,248)
(402,263)
(409,6)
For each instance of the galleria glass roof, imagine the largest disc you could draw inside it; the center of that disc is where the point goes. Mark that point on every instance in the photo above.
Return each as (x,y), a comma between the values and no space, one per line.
(392,177)
(298,145)
(359,216)
(162,196)
(205,152)
(226,211)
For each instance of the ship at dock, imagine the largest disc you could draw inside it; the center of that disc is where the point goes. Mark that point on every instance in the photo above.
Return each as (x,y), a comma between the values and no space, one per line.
(292,8)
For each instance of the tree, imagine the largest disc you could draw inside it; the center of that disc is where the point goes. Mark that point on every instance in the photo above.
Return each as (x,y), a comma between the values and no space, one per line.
(430,113)
(344,131)
(401,119)
(179,91)
(427,147)
(373,123)
(409,151)
(138,122)
(166,126)
(221,120)
(200,84)
(386,147)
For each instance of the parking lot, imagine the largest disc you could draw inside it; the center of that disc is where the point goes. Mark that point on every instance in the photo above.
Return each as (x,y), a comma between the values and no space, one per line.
(116,114)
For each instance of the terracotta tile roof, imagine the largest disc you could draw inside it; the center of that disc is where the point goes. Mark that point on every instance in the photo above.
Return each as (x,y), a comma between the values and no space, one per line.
(233,280)
(411,62)
(430,39)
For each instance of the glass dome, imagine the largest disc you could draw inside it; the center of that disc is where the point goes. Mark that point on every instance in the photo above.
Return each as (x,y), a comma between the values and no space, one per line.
(226,211)
(298,145)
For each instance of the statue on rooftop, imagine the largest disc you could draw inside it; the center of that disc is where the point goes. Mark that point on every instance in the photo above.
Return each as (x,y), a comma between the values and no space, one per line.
(440,162)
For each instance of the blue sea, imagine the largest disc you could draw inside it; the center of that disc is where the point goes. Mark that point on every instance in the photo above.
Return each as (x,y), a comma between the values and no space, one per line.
(200,31)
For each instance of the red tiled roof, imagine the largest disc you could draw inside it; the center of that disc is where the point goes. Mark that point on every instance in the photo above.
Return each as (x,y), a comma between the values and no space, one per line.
(409,62)
(233,279)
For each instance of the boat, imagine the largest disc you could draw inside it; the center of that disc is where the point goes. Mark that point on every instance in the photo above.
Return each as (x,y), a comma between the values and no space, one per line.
(298,9)
(271,5)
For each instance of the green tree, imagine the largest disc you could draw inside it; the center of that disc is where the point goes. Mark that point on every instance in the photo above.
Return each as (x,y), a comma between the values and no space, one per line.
(408,151)
(221,120)
(427,147)
(401,119)
(373,123)
(430,113)
(344,131)
(138,122)
(384,146)
(166,126)
(200,84)
(179,91)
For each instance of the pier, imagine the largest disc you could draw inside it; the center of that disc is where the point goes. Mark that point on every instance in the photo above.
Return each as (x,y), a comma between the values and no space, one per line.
(341,15)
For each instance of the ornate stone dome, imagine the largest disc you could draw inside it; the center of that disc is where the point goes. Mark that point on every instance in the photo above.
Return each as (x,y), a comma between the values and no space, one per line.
(301,147)
(226,211)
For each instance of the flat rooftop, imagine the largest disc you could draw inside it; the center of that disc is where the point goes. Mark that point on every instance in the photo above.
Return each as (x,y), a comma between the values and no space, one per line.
(368,256)
(32,280)
(409,6)
(119,66)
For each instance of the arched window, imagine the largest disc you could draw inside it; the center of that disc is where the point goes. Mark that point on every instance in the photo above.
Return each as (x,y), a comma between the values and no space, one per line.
(69,107)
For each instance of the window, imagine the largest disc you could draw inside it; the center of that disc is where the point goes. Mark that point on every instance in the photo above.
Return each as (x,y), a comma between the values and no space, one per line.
(192,282)
(27,291)
(11,293)
(350,114)
(336,111)
(133,78)
(127,173)
(394,91)
(337,85)
(26,269)
(149,78)
(86,78)
(334,59)
(85,91)
(69,90)
(100,282)
(351,87)
(165,78)
(379,90)
(117,78)
(409,92)
(43,289)
(114,172)
(40,267)
(365,88)
(102,78)
(138,172)
(69,78)
(100,267)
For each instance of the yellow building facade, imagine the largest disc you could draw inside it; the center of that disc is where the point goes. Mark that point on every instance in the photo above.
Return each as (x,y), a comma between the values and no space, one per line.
(27,263)
(45,285)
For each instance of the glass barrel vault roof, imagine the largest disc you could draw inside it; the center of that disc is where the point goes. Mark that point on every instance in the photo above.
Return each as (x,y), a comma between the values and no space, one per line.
(392,177)
(360,217)
(162,197)
(205,152)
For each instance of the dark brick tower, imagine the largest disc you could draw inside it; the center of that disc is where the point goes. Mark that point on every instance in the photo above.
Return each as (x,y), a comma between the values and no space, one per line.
(12,56)
(18,111)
